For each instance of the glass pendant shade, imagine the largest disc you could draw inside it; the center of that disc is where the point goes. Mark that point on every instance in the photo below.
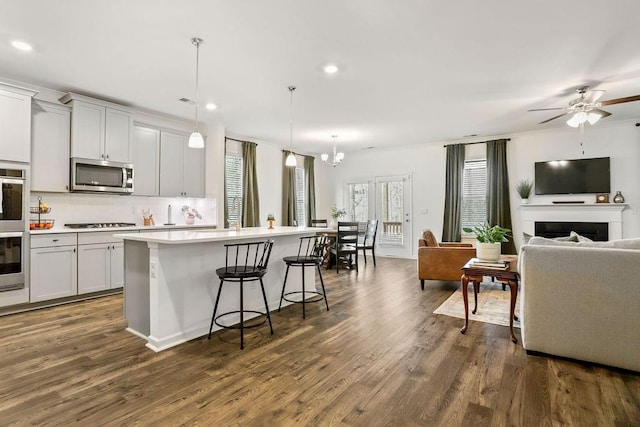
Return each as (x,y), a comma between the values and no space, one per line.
(196,140)
(324,157)
(291,158)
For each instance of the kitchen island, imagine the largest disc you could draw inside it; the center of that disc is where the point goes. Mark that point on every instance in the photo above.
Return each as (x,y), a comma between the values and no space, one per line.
(171,285)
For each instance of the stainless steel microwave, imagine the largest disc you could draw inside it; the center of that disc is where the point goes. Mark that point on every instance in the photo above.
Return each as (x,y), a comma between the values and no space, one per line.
(101,176)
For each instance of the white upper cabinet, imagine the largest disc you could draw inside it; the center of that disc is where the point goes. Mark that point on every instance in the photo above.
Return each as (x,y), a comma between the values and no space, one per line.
(50,135)
(181,168)
(193,172)
(146,158)
(15,123)
(118,135)
(100,130)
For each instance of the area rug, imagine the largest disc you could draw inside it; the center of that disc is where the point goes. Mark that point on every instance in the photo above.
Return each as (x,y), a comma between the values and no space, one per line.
(493,305)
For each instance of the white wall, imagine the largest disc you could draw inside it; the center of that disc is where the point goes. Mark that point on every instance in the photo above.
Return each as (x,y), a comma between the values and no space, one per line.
(426,165)
(618,140)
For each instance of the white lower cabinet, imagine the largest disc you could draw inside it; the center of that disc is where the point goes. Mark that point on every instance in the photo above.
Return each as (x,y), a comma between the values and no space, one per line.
(100,262)
(53,268)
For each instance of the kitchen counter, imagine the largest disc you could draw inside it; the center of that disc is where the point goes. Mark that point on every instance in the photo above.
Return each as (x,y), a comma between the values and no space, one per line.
(171,285)
(142,228)
(179,237)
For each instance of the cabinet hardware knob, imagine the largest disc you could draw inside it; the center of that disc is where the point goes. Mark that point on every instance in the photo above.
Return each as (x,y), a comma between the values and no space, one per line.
(55,240)
(74,250)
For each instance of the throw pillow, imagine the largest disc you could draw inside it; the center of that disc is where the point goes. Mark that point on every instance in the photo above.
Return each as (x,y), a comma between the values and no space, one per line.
(626,243)
(573,237)
(526,237)
(579,238)
(543,241)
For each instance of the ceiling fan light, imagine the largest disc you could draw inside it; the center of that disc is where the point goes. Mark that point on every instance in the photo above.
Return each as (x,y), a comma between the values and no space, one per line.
(196,140)
(593,117)
(291,160)
(324,157)
(339,157)
(573,122)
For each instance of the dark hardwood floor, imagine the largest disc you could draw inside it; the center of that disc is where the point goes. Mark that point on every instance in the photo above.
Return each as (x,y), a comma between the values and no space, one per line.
(379,357)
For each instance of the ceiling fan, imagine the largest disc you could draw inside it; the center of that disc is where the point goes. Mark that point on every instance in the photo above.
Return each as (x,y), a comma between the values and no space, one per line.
(587,107)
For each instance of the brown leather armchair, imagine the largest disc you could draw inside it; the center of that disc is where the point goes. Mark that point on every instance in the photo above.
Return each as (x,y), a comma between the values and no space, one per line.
(441,261)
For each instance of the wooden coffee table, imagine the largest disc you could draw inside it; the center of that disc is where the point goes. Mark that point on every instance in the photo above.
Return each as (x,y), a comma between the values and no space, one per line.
(474,274)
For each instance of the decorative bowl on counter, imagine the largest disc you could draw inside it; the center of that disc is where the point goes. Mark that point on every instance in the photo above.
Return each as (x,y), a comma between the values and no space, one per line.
(43,224)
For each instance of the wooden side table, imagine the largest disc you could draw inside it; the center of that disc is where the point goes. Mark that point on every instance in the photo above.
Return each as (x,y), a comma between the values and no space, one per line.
(474,274)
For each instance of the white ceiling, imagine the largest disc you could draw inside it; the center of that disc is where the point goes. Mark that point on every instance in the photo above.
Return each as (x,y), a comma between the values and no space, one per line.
(411,71)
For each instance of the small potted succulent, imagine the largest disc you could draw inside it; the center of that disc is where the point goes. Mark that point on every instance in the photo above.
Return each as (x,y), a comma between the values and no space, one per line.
(524,188)
(336,214)
(489,240)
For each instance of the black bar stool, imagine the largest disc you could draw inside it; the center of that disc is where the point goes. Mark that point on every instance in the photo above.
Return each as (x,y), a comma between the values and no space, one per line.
(245,262)
(310,253)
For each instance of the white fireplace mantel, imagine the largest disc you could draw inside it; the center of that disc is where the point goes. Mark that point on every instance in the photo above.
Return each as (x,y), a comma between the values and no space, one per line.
(610,213)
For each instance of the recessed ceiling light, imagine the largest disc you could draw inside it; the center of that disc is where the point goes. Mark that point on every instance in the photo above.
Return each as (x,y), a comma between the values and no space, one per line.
(20,45)
(330,68)
(210,106)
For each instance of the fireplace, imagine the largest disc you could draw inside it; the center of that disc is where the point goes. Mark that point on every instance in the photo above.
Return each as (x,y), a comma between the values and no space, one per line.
(597,231)
(609,214)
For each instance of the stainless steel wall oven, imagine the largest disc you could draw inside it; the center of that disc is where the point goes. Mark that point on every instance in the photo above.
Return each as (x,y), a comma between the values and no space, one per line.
(12,228)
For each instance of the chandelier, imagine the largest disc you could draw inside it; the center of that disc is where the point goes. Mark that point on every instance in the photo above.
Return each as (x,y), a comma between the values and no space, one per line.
(337,157)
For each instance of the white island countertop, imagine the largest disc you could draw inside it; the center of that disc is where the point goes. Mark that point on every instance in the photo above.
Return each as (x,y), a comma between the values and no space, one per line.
(178,237)
(170,287)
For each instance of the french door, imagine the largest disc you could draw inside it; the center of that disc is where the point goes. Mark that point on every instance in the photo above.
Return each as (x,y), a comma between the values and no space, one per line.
(387,199)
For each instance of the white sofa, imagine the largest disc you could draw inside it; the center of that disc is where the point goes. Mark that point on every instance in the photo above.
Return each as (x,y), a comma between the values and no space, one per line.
(582,300)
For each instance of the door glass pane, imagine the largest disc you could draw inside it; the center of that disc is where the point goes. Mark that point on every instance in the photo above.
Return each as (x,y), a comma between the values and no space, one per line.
(359,202)
(392,212)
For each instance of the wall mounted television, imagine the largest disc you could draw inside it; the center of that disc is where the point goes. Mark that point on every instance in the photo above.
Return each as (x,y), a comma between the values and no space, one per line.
(579,176)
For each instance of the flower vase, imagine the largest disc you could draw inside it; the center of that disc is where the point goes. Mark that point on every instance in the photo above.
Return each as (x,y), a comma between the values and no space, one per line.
(618,198)
(189,219)
(271,221)
(333,224)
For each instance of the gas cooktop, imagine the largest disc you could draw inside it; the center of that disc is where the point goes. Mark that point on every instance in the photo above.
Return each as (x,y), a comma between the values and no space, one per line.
(100,225)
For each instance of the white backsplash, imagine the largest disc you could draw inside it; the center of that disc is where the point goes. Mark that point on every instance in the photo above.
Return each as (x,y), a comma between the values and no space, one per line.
(69,208)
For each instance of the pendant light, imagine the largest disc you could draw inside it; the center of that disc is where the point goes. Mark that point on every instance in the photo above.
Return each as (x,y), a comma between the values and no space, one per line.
(195,140)
(337,157)
(291,158)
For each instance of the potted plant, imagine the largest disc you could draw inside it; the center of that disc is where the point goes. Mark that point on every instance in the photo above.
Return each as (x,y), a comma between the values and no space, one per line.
(524,188)
(489,240)
(336,214)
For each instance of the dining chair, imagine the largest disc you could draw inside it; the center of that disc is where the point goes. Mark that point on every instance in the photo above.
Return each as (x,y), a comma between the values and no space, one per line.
(321,223)
(346,244)
(368,240)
